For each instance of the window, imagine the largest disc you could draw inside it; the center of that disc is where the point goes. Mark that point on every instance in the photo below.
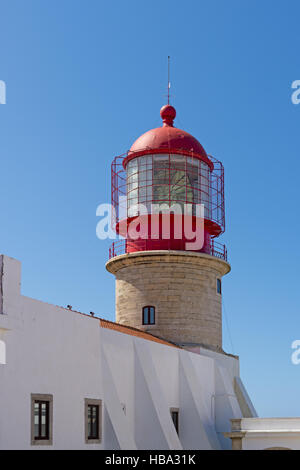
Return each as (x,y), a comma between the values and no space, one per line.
(149,315)
(93,416)
(175,418)
(219,286)
(41,419)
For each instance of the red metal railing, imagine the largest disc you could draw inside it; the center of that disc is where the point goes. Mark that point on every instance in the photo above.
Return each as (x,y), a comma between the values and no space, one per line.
(122,247)
(218,250)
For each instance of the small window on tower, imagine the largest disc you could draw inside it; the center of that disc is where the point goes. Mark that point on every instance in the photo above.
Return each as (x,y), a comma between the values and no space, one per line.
(219,286)
(149,315)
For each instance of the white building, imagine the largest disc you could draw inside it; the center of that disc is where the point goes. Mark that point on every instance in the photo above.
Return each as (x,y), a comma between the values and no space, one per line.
(69,359)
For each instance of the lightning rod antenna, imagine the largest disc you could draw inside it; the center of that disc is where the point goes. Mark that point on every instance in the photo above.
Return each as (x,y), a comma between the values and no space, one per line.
(169,84)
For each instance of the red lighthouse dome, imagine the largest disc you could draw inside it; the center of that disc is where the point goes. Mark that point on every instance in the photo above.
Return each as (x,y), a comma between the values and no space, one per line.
(167,139)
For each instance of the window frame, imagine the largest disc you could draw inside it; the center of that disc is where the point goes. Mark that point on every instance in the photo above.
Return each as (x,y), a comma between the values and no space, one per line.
(90,402)
(42,398)
(176,424)
(148,315)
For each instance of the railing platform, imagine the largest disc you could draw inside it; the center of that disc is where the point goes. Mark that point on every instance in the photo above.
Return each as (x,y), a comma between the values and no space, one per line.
(121,247)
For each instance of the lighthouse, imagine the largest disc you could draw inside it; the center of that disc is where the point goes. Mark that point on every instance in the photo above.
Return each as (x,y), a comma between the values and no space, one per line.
(169,276)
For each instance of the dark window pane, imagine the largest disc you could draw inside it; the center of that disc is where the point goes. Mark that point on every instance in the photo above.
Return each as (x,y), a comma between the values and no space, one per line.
(174,415)
(219,286)
(93,422)
(36,420)
(152,316)
(145,316)
(41,420)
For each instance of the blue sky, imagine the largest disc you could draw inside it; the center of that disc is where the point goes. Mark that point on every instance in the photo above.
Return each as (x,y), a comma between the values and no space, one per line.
(84,79)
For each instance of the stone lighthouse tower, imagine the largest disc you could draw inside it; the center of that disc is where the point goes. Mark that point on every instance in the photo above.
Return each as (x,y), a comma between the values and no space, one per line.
(167,283)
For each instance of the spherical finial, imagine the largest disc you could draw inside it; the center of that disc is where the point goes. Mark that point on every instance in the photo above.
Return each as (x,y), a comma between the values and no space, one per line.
(168,114)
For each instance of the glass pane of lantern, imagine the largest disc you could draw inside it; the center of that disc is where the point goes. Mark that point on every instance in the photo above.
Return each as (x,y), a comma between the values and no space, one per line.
(133,194)
(160,178)
(133,209)
(142,193)
(161,193)
(131,167)
(142,175)
(149,176)
(149,191)
(178,162)
(142,161)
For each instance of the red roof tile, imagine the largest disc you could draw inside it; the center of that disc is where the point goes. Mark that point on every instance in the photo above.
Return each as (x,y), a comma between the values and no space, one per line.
(129,330)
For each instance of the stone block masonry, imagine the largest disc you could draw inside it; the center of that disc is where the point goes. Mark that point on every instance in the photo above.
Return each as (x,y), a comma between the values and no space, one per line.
(182,286)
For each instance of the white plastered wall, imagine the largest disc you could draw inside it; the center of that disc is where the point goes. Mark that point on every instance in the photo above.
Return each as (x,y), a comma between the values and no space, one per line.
(52,350)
